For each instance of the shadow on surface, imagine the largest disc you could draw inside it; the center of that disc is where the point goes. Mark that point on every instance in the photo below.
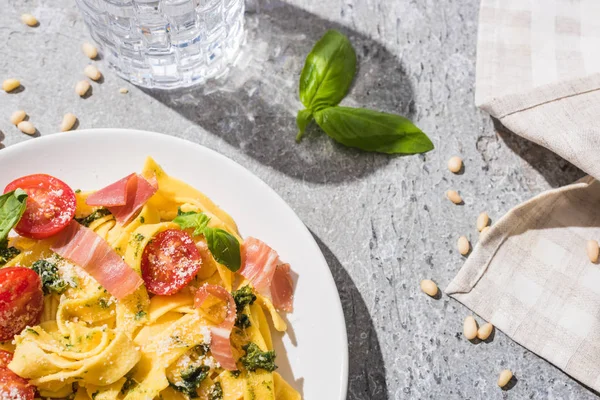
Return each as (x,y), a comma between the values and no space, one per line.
(366,378)
(555,170)
(254,108)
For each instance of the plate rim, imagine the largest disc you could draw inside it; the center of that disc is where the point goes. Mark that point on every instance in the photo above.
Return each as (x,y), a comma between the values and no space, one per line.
(49,137)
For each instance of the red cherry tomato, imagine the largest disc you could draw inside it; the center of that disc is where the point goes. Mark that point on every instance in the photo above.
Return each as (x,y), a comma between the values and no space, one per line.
(169,262)
(21,300)
(12,386)
(50,205)
(5,358)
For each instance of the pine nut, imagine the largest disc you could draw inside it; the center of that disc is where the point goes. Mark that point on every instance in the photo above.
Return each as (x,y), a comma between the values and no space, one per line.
(82,88)
(17,117)
(92,72)
(505,377)
(485,229)
(123,90)
(485,331)
(593,250)
(463,245)
(454,197)
(29,19)
(26,127)
(482,221)
(89,50)
(68,122)
(455,164)
(10,84)
(429,287)
(470,328)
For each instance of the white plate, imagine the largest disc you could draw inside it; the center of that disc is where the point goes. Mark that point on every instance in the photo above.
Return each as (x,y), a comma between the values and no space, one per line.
(314,355)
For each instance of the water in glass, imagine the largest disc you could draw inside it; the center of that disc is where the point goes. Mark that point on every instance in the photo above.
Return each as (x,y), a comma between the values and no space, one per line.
(166,43)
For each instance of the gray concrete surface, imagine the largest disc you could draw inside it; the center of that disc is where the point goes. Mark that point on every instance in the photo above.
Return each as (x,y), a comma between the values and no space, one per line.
(382,222)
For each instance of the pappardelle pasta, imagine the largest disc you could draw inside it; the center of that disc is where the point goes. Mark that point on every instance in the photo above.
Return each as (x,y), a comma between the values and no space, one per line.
(140,290)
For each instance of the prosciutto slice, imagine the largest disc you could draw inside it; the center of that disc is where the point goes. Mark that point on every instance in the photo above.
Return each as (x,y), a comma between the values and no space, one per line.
(269,276)
(260,262)
(114,194)
(220,344)
(282,288)
(85,248)
(125,197)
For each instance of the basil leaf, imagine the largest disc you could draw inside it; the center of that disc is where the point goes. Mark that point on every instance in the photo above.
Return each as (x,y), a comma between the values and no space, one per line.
(302,120)
(224,247)
(192,220)
(12,207)
(373,131)
(328,71)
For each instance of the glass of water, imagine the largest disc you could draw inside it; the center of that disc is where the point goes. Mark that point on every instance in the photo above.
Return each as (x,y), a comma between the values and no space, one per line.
(166,44)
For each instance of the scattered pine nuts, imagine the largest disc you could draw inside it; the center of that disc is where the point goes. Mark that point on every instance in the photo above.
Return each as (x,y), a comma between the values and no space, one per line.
(17,117)
(26,127)
(29,19)
(470,328)
(89,50)
(505,377)
(463,245)
(92,72)
(429,287)
(10,84)
(455,164)
(82,88)
(123,90)
(482,221)
(593,250)
(68,122)
(485,331)
(485,229)
(454,197)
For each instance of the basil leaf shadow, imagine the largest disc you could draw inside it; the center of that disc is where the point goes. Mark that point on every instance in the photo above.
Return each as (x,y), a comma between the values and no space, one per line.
(254,109)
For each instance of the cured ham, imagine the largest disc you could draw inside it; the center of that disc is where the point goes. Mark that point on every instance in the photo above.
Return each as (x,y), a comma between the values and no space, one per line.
(282,288)
(114,194)
(260,262)
(125,197)
(85,248)
(220,344)
(269,276)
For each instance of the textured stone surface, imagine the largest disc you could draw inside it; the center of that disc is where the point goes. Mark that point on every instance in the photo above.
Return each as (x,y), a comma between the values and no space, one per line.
(382,222)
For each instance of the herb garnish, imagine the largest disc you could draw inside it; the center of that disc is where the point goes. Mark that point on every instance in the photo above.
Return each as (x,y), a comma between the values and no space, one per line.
(243,297)
(255,358)
(326,77)
(127,385)
(224,247)
(216,392)
(191,378)
(87,221)
(52,282)
(12,207)
(7,253)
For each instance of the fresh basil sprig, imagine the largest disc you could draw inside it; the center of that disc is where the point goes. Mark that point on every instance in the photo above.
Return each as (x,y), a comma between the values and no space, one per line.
(326,77)
(328,72)
(12,207)
(224,247)
(372,130)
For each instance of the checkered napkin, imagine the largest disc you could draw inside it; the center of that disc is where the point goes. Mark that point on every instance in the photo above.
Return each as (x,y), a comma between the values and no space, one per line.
(538,72)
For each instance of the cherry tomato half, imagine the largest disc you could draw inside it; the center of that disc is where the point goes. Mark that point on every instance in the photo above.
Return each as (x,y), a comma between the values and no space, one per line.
(21,300)
(5,358)
(50,206)
(12,386)
(169,262)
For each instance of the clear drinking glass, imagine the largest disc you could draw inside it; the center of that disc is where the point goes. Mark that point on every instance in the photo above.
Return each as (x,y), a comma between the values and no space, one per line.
(166,43)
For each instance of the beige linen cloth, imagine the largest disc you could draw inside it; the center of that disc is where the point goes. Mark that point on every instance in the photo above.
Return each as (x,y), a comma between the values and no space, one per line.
(538,72)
